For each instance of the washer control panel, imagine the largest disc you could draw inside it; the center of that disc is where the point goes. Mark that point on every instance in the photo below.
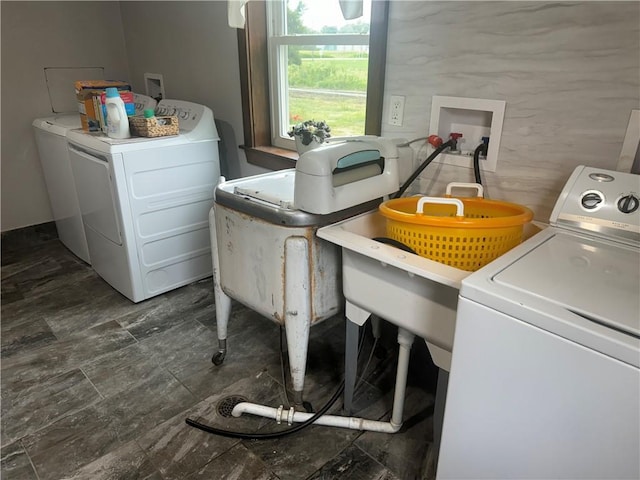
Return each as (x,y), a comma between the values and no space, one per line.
(600,202)
(196,121)
(188,113)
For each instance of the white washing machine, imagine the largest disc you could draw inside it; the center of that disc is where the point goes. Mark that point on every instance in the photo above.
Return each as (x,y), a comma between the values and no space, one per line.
(145,202)
(51,139)
(545,378)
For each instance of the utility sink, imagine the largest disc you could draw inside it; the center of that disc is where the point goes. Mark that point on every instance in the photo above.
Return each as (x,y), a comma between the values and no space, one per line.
(412,292)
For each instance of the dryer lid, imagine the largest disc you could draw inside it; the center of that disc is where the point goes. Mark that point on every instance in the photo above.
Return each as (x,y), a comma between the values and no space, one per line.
(597,280)
(71,120)
(58,124)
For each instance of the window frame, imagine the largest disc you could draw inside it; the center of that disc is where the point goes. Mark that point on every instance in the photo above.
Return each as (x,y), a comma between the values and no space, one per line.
(254,84)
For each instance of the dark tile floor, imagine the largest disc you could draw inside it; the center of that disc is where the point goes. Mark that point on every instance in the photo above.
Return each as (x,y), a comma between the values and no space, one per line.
(96,387)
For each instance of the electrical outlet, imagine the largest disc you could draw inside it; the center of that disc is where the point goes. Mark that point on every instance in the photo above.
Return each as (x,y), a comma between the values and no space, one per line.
(396,110)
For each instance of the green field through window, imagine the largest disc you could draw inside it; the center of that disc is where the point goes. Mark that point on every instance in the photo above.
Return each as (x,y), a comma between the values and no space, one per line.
(329,86)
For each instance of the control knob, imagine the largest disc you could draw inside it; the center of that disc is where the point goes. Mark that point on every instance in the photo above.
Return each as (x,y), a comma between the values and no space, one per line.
(591,200)
(628,203)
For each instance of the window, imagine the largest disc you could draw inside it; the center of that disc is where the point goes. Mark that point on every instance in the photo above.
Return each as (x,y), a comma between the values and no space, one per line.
(317,66)
(266,142)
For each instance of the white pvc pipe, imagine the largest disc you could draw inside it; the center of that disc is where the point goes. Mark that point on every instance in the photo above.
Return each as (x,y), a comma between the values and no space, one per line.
(405,339)
(290,416)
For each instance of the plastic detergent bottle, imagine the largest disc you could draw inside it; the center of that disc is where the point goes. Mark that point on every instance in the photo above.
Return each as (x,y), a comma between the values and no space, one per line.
(117,120)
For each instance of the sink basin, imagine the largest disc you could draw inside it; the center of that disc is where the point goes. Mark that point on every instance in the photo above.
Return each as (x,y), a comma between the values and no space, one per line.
(412,292)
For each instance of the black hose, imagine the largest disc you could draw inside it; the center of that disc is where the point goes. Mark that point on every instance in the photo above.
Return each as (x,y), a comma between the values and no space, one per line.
(267,436)
(476,162)
(282,433)
(282,369)
(424,165)
(394,243)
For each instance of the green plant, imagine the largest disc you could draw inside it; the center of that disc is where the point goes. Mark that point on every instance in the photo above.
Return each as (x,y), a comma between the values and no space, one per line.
(310,130)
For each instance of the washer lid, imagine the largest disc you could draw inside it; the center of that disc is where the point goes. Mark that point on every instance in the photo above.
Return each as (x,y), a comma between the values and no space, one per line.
(269,196)
(101,143)
(275,189)
(597,280)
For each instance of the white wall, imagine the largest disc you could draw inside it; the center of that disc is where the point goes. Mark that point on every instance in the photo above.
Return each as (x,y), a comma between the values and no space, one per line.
(36,35)
(569,73)
(195,50)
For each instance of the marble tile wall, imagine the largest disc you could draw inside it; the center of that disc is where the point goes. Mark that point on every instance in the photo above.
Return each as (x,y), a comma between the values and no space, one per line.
(569,73)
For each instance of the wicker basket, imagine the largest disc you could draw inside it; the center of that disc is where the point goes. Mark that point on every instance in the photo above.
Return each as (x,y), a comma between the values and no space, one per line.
(155,126)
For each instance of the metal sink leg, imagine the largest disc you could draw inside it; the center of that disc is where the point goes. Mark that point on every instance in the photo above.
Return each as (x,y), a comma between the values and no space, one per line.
(223,302)
(297,309)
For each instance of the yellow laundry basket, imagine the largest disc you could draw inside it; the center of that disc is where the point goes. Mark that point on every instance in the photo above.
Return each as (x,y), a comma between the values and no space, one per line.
(466,233)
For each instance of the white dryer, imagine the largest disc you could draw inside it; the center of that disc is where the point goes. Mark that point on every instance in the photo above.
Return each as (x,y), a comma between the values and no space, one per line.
(545,372)
(145,202)
(51,140)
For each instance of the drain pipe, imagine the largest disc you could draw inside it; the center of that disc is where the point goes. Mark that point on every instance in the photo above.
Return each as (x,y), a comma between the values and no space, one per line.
(290,416)
(405,340)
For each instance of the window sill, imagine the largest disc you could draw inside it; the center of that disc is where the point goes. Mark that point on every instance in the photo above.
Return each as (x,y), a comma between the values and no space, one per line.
(272,158)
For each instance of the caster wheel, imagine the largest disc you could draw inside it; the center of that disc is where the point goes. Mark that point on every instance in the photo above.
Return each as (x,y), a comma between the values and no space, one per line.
(218,358)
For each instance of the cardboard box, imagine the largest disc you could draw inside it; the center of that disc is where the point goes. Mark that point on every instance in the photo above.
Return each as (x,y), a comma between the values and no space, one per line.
(88,93)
